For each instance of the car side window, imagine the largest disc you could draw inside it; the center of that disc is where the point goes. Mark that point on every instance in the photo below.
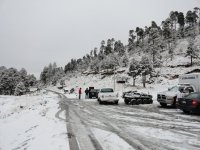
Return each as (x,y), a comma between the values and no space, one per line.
(189,90)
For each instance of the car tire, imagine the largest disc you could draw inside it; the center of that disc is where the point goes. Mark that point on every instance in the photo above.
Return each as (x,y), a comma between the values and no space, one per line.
(163,104)
(126,101)
(100,102)
(116,102)
(174,103)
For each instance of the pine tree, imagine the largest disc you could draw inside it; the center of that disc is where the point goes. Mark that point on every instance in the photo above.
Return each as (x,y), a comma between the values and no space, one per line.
(181,22)
(108,49)
(125,61)
(95,52)
(131,40)
(20,89)
(44,75)
(154,43)
(119,48)
(134,69)
(192,51)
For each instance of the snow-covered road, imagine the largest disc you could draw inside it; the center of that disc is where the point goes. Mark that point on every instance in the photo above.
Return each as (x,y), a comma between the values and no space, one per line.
(123,127)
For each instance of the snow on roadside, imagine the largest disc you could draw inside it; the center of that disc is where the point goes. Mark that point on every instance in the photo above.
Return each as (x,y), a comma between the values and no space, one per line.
(29,122)
(110,141)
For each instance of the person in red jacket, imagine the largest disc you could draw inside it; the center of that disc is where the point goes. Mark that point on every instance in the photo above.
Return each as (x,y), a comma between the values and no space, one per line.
(79,93)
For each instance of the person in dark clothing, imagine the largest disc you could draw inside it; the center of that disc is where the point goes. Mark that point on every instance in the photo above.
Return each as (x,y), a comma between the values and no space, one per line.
(86,93)
(79,93)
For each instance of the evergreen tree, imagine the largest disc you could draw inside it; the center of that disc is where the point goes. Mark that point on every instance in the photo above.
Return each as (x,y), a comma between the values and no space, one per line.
(20,89)
(108,48)
(191,18)
(134,69)
(125,61)
(119,48)
(95,52)
(181,22)
(154,43)
(192,51)
(131,40)
(44,75)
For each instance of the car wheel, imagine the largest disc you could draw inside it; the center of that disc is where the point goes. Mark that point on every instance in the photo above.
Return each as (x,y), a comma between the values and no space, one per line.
(116,102)
(100,102)
(134,102)
(126,101)
(163,104)
(174,103)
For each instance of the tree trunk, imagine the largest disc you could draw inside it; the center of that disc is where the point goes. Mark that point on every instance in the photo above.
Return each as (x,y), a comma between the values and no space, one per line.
(144,80)
(133,81)
(191,61)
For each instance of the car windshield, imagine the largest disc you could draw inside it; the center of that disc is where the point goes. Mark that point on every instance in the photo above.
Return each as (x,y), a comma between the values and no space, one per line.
(193,96)
(174,89)
(107,90)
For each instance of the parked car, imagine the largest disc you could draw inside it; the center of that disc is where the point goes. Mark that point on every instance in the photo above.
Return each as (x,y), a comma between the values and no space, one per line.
(190,103)
(134,97)
(188,82)
(66,90)
(108,95)
(94,93)
(169,97)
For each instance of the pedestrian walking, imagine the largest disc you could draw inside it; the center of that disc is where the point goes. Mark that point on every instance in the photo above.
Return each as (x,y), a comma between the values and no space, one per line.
(79,93)
(86,93)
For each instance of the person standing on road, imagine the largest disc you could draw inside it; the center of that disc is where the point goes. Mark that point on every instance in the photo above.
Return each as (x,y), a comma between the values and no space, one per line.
(79,93)
(180,94)
(86,93)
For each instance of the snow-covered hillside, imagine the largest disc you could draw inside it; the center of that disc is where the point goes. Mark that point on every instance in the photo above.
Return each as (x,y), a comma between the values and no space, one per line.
(167,73)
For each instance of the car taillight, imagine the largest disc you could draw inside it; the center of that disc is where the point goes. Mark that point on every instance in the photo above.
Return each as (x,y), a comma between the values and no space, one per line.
(194,102)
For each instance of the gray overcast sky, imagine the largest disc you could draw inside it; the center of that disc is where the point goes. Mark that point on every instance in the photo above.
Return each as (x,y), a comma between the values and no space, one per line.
(34,33)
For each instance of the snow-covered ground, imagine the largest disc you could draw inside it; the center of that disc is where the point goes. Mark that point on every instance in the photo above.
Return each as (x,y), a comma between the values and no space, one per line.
(50,120)
(29,122)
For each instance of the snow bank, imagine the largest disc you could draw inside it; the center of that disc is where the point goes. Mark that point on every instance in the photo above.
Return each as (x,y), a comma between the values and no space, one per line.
(29,122)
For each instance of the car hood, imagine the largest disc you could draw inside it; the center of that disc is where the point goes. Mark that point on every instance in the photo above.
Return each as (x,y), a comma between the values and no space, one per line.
(168,93)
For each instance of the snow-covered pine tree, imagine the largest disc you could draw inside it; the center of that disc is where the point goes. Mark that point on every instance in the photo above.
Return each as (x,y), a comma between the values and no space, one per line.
(192,50)
(131,40)
(20,89)
(125,61)
(134,69)
(154,43)
(119,48)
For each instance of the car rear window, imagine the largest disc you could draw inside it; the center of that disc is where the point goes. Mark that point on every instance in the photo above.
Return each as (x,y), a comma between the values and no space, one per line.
(107,90)
(95,90)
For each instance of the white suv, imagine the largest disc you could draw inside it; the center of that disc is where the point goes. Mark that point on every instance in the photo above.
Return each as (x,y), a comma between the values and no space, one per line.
(108,95)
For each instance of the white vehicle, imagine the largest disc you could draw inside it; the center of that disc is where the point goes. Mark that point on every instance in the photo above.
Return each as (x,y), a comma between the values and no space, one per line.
(66,90)
(188,82)
(108,95)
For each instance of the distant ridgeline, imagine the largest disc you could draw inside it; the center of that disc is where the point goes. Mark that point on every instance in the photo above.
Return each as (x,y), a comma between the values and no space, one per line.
(15,82)
(147,48)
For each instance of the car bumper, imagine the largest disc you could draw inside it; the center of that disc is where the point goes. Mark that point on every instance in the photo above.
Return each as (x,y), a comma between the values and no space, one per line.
(109,99)
(190,108)
(166,101)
